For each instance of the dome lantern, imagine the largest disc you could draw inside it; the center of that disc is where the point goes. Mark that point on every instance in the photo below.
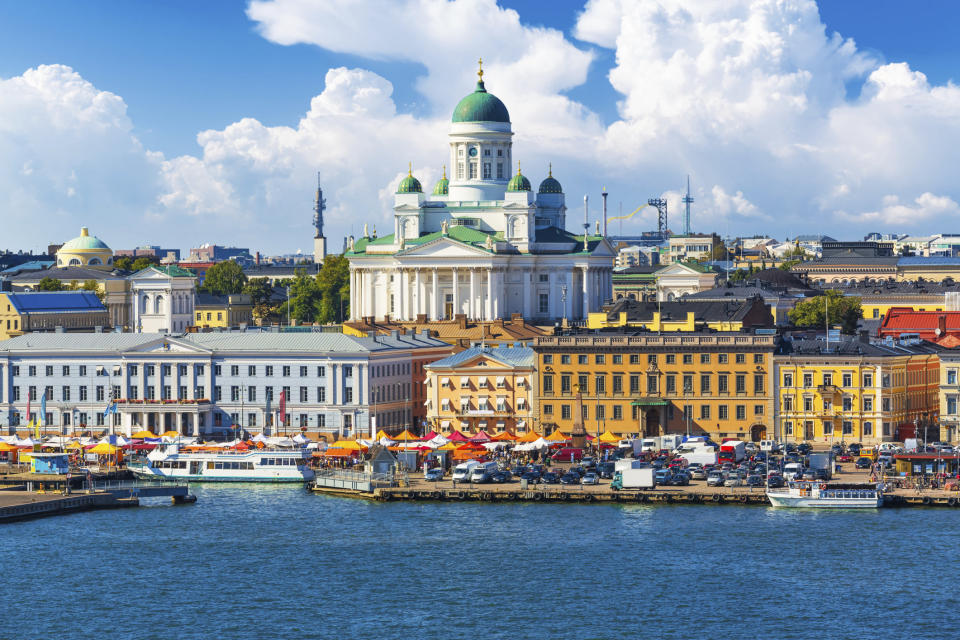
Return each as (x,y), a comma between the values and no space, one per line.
(481,106)
(409,184)
(550,184)
(519,182)
(443,185)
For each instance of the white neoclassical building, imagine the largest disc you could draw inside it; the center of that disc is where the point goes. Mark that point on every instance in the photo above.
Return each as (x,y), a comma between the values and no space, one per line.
(162,299)
(482,244)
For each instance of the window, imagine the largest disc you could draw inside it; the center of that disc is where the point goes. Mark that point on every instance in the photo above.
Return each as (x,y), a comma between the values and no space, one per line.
(788,403)
(634,384)
(827,379)
(32,371)
(303,372)
(217,393)
(671,384)
(868,428)
(321,372)
(66,370)
(151,393)
(671,359)
(758,358)
(581,359)
(285,372)
(268,371)
(547,359)
(601,412)
(807,403)
(547,383)
(868,379)
(165,391)
(722,358)
(846,380)
(847,428)
(348,371)
(321,394)
(807,379)
(565,384)
(348,395)
(788,428)
(741,382)
(182,392)
(48,370)
(251,394)
(740,358)
(868,403)
(500,168)
(704,412)
(688,383)
(618,384)
(705,383)
(788,379)
(582,384)
(827,428)
(617,358)
(651,384)
(758,409)
(618,412)
(758,382)
(564,412)
(585,412)
(564,359)
(741,412)
(166,369)
(688,412)
(885,382)
(722,386)
(722,413)
(217,370)
(487,173)
(65,394)
(544,303)
(600,384)
(687,358)
(83,394)
(234,393)
(634,358)
(704,358)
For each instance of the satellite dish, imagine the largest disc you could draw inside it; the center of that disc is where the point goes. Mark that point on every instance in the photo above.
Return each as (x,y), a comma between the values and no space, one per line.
(937,331)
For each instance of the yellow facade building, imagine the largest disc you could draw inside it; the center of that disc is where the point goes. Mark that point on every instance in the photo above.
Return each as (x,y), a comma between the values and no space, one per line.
(28,311)
(855,390)
(222,311)
(683,315)
(482,388)
(697,383)
(85,251)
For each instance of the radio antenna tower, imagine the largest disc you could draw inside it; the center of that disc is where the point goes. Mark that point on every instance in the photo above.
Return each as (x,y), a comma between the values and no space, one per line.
(319,241)
(687,201)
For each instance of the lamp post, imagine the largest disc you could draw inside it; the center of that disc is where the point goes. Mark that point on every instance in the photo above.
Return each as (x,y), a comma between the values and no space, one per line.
(103,371)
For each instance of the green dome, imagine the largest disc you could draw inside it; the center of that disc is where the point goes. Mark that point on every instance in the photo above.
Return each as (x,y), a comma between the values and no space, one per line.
(84,241)
(550,184)
(519,182)
(409,184)
(443,185)
(481,106)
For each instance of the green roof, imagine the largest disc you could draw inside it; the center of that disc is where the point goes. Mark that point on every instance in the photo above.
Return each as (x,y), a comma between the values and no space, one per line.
(174,271)
(519,182)
(409,185)
(481,106)
(84,241)
(443,186)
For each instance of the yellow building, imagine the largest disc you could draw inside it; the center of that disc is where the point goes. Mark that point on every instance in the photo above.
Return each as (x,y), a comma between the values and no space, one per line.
(222,311)
(855,390)
(949,393)
(85,251)
(482,388)
(23,312)
(710,383)
(683,315)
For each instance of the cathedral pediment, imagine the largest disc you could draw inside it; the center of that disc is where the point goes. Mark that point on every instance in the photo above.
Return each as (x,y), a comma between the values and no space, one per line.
(168,345)
(444,247)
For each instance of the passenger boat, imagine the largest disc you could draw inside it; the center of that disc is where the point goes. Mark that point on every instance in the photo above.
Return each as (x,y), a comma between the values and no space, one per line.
(815,495)
(261,465)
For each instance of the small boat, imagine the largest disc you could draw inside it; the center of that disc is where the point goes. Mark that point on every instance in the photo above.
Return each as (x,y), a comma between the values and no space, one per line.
(260,465)
(815,495)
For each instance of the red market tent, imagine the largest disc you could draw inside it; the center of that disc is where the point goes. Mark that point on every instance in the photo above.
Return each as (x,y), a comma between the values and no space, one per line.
(456,436)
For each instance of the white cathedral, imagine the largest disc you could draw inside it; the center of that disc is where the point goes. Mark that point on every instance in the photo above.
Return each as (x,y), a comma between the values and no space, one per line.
(482,244)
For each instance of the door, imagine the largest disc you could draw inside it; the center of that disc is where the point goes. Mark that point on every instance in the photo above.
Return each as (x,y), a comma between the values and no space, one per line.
(196,467)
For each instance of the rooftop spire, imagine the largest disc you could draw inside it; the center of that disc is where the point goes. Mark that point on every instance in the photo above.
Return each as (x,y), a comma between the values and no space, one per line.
(409,169)
(550,172)
(444,172)
(480,72)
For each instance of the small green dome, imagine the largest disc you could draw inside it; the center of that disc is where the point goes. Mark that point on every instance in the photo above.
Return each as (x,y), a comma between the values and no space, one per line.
(443,185)
(409,184)
(519,182)
(550,184)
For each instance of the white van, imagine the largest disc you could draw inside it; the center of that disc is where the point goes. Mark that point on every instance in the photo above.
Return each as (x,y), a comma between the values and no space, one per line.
(461,472)
(791,469)
(482,472)
(650,444)
(769,446)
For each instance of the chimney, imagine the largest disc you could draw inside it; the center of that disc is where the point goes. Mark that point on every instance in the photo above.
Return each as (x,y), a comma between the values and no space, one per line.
(395,334)
(942,324)
(421,318)
(517,318)
(256,258)
(461,319)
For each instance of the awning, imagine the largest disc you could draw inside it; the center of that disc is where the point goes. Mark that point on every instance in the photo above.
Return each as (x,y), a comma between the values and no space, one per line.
(521,423)
(444,424)
(482,424)
(444,381)
(426,402)
(482,381)
(521,381)
(649,402)
(500,424)
(521,402)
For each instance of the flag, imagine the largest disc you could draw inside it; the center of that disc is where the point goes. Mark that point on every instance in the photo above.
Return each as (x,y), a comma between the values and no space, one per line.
(111,408)
(283,407)
(28,409)
(43,408)
(269,412)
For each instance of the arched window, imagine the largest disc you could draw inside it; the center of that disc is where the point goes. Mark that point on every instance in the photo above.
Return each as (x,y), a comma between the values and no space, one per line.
(95,261)
(59,262)
(74,262)
(145,304)
(109,260)
(158,305)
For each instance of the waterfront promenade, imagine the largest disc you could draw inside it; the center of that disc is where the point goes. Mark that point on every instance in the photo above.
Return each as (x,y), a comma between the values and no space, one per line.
(24,505)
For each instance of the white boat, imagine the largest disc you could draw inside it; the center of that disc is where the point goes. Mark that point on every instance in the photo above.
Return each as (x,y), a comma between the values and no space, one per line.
(814,495)
(260,465)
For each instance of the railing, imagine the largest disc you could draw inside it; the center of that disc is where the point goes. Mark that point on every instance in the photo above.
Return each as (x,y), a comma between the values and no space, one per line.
(352,480)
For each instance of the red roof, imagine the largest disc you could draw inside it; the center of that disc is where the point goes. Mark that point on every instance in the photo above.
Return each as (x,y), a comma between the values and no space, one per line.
(900,320)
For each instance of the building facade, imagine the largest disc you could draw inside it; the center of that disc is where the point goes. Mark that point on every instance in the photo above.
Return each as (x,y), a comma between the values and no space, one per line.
(855,390)
(213,311)
(210,384)
(949,395)
(482,244)
(163,299)
(698,383)
(49,311)
(483,388)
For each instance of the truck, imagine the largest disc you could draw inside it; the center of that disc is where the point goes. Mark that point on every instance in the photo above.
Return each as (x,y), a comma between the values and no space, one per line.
(634,479)
(697,452)
(649,444)
(817,461)
(481,472)
(732,451)
(670,442)
(461,472)
(623,464)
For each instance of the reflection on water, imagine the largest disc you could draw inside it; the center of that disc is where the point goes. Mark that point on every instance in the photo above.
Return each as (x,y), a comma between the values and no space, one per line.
(256,561)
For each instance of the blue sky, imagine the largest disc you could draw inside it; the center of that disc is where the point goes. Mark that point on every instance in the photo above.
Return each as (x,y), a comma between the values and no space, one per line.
(185,67)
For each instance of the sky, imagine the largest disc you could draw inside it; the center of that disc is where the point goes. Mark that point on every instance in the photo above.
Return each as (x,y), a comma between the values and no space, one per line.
(177,123)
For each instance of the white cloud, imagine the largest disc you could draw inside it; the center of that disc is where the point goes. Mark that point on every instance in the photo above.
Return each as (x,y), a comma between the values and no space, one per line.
(925,207)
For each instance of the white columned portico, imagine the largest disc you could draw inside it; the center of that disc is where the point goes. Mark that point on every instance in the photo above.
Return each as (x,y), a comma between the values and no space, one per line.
(488,303)
(471,308)
(418,288)
(456,291)
(584,277)
(434,302)
(525,275)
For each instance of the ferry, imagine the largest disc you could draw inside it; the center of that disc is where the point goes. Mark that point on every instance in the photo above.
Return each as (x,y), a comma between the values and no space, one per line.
(814,495)
(263,465)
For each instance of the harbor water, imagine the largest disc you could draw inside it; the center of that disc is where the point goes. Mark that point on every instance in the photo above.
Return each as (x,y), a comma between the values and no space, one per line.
(249,561)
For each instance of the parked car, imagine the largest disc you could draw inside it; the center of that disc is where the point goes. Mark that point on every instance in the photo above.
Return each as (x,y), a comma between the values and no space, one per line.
(531,477)
(680,479)
(570,478)
(732,480)
(432,475)
(577,470)
(551,478)
(590,478)
(864,463)
(589,463)
(606,470)
(803,448)
(698,473)
(755,480)
(821,474)
(663,476)
(715,479)
(502,476)
(775,481)
(854,448)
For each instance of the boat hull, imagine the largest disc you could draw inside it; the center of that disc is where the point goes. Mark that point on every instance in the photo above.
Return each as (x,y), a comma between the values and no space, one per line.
(152,475)
(825,503)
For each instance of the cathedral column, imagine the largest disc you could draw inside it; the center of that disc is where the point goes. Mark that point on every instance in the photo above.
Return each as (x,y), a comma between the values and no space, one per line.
(456,291)
(435,306)
(585,275)
(488,304)
(370,292)
(417,286)
(396,313)
(473,294)
(567,300)
(525,277)
(353,294)
(497,294)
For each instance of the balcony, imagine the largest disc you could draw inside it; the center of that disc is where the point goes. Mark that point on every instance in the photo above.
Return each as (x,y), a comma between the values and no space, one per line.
(828,389)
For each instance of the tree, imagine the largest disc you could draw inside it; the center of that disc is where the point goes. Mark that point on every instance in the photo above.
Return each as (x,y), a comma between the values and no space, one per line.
(224,278)
(259,290)
(49,284)
(303,304)
(844,310)
(143,262)
(719,252)
(333,282)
